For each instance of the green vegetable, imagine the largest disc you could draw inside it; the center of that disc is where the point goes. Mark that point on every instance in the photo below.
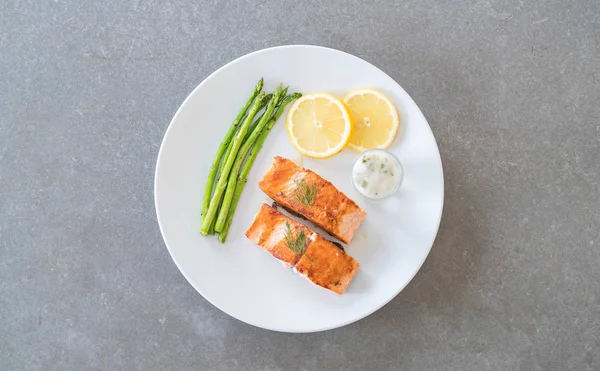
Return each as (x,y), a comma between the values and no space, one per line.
(241,155)
(267,99)
(226,167)
(243,176)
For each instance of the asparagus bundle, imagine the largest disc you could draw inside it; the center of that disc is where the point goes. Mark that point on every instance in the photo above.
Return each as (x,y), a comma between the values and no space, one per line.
(243,177)
(264,119)
(235,156)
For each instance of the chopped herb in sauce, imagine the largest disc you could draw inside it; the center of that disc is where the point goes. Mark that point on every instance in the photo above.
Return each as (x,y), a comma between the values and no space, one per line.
(375,174)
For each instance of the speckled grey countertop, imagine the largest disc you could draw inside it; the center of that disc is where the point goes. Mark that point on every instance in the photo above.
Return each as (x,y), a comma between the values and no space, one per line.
(511,90)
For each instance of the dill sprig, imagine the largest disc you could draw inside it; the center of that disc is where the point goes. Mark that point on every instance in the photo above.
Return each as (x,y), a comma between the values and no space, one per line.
(296,243)
(305,193)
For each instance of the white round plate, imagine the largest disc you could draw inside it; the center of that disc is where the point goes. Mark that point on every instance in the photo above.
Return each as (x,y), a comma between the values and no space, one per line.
(240,278)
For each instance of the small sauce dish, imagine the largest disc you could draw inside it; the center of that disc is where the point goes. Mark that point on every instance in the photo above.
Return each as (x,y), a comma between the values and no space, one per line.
(377,174)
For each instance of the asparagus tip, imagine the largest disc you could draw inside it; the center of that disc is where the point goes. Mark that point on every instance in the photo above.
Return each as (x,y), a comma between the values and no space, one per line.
(261,96)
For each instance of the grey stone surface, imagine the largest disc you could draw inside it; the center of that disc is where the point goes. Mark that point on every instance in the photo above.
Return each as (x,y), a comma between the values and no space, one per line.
(510,88)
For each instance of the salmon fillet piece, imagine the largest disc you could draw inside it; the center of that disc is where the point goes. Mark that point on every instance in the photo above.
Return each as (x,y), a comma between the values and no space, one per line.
(268,231)
(330,209)
(322,263)
(326,265)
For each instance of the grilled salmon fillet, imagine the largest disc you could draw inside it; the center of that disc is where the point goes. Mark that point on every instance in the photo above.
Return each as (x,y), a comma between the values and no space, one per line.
(326,265)
(268,231)
(322,262)
(330,209)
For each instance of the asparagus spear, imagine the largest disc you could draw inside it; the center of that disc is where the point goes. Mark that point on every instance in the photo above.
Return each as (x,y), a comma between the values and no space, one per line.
(211,228)
(224,145)
(241,155)
(226,167)
(243,177)
(268,99)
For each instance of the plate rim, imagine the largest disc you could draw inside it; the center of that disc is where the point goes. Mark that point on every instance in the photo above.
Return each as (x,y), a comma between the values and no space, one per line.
(177,264)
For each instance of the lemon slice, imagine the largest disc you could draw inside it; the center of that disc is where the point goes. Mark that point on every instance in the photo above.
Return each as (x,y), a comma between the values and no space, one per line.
(375,119)
(319,125)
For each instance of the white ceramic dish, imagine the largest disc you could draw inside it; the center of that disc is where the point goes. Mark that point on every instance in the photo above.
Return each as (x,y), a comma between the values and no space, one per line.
(241,279)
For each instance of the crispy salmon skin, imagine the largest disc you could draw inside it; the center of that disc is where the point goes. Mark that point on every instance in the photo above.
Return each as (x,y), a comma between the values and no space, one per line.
(330,209)
(322,263)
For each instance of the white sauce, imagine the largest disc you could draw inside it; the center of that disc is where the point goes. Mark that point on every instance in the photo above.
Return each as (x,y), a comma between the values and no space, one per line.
(376,174)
